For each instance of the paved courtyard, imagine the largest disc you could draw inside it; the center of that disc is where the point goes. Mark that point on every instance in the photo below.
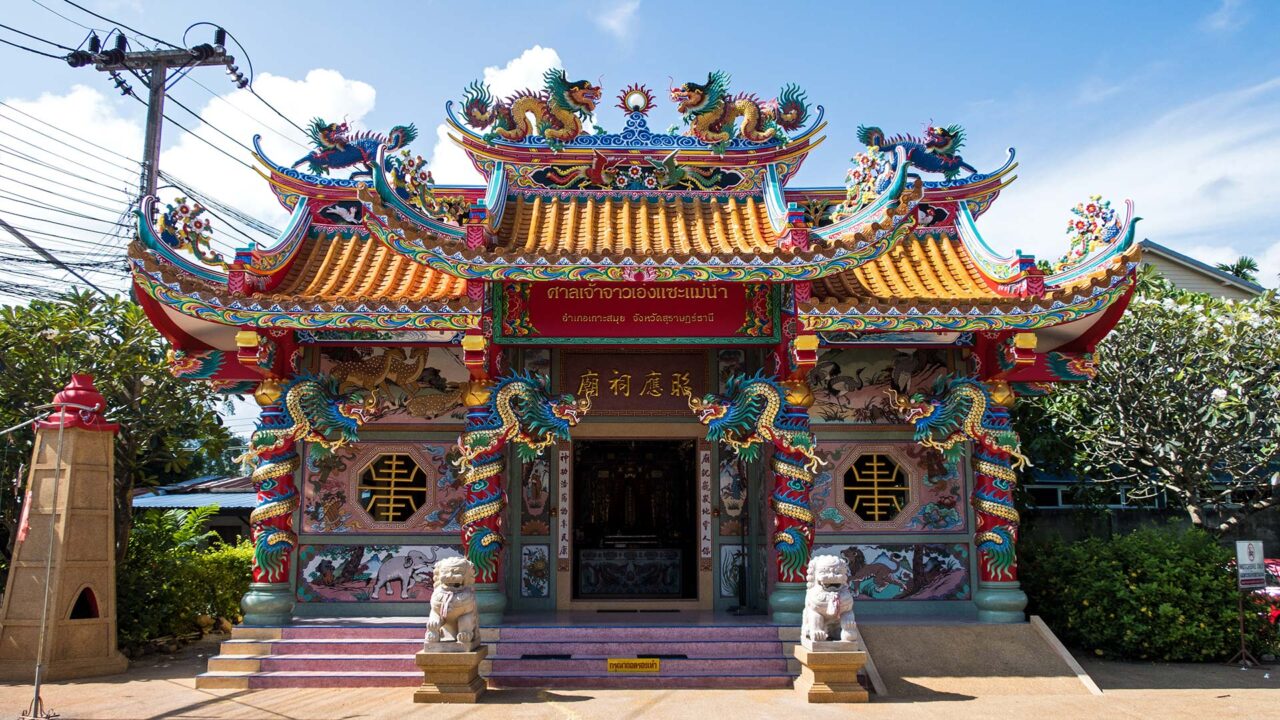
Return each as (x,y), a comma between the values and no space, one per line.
(162,686)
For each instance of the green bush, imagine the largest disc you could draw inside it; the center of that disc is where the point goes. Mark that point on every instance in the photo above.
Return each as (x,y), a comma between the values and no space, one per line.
(1154,594)
(174,572)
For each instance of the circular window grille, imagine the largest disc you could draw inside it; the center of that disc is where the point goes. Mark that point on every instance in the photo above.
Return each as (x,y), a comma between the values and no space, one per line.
(875,487)
(392,488)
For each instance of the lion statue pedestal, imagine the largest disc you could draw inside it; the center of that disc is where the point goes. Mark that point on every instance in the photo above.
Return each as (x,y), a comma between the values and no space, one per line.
(830,651)
(451,651)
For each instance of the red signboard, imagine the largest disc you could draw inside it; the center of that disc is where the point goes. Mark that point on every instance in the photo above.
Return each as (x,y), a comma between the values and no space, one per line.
(637,312)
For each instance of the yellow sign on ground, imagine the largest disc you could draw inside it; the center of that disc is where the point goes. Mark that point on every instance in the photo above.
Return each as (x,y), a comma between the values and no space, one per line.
(633,665)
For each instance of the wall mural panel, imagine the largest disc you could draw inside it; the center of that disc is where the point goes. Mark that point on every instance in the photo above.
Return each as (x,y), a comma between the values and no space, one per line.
(336,501)
(420,384)
(850,384)
(535,493)
(934,502)
(906,572)
(535,571)
(368,573)
(733,563)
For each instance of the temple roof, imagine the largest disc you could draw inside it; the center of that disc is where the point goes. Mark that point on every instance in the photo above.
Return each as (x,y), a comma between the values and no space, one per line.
(331,268)
(896,249)
(644,226)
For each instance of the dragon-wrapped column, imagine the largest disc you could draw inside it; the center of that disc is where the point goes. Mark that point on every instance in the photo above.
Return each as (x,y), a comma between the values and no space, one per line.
(269,600)
(999,597)
(961,409)
(484,500)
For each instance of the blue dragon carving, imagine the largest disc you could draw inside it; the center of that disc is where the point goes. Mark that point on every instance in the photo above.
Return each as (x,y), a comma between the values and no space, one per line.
(937,152)
(336,149)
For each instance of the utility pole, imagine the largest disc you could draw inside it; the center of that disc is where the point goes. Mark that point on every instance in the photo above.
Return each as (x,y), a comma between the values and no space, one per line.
(152,66)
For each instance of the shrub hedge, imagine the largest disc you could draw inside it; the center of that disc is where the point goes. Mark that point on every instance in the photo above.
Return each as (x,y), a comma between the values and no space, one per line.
(175,572)
(1153,594)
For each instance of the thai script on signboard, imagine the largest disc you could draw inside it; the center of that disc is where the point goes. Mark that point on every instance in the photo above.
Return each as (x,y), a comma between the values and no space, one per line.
(1250,566)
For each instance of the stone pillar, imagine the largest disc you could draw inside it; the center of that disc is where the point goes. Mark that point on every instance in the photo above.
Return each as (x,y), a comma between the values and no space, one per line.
(998,595)
(270,597)
(68,516)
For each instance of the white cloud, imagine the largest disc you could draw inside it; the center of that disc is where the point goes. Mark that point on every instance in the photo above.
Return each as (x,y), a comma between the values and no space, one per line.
(1226,18)
(322,93)
(29,187)
(449,164)
(616,18)
(1202,176)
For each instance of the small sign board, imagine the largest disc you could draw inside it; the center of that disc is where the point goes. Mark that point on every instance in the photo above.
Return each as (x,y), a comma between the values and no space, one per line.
(633,665)
(1251,569)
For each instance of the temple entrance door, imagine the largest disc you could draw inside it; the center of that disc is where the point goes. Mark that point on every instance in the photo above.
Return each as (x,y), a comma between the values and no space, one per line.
(635,520)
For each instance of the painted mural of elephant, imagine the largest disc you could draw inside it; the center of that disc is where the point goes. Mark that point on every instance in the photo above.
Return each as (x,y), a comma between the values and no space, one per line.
(409,569)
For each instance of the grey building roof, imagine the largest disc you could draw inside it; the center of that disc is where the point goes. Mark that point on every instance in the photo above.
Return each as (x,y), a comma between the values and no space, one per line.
(225,501)
(1203,268)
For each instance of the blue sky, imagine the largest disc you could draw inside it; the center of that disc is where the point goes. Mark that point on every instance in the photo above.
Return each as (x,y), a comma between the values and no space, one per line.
(1173,104)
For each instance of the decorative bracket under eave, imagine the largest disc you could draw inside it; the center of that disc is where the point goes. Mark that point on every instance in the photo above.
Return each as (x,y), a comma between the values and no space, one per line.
(272,352)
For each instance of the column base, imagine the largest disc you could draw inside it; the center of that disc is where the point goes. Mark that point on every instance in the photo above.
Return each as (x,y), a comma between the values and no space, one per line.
(491,601)
(450,677)
(786,603)
(268,604)
(1000,602)
(831,676)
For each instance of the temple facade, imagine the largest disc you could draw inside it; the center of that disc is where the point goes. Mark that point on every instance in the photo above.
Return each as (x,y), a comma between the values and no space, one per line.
(636,369)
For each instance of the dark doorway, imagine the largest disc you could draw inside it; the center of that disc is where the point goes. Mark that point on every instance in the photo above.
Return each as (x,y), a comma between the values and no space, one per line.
(635,525)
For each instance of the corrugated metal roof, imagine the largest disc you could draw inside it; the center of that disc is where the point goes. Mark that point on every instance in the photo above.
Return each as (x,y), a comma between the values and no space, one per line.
(223,500)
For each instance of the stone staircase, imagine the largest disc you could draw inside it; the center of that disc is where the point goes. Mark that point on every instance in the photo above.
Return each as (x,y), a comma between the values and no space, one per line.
(692,656)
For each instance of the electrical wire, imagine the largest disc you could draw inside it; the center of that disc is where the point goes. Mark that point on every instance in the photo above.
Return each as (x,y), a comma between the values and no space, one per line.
(256,120)
(76,163)
(55,127)
(30,49)
(21,200)
(208,124)
(64,172)
(64,17)
(66,144)
(36,37)
(19,197)
(135,31)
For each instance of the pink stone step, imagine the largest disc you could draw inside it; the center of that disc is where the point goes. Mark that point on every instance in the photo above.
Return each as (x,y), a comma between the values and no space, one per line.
(345,647)
(638,682)
(735,648)
(694,667)
(350,678)
(339,663)
(366,632)
(633,634)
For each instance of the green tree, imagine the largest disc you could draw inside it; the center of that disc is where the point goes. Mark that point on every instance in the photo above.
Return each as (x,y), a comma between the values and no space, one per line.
(1186,404)
(1245,268)
(166,424)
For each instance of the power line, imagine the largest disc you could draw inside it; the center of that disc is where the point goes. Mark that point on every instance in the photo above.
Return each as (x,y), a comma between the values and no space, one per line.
(135,31)
(30,49)
(47,255)
(65,144)
(208,124)
(36,37)
(78,164)
(235,107)
(55,127)
(66,225)
(27,184)
(31,202)
(64,17)
(41,203)
(64,172)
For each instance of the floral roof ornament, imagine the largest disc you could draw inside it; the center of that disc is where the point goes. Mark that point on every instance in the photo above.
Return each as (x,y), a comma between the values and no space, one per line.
(184,227)
(870,175)
(1092,226)
(409,177)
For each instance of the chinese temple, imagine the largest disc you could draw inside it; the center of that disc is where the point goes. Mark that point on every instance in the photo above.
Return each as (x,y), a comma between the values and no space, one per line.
(635,370)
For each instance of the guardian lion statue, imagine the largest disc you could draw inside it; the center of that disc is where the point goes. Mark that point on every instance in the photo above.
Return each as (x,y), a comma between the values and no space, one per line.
(454,617)
(828,601)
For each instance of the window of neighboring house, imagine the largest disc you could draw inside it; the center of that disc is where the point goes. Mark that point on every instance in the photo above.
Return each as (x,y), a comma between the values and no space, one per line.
(392,488)
(875,487)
